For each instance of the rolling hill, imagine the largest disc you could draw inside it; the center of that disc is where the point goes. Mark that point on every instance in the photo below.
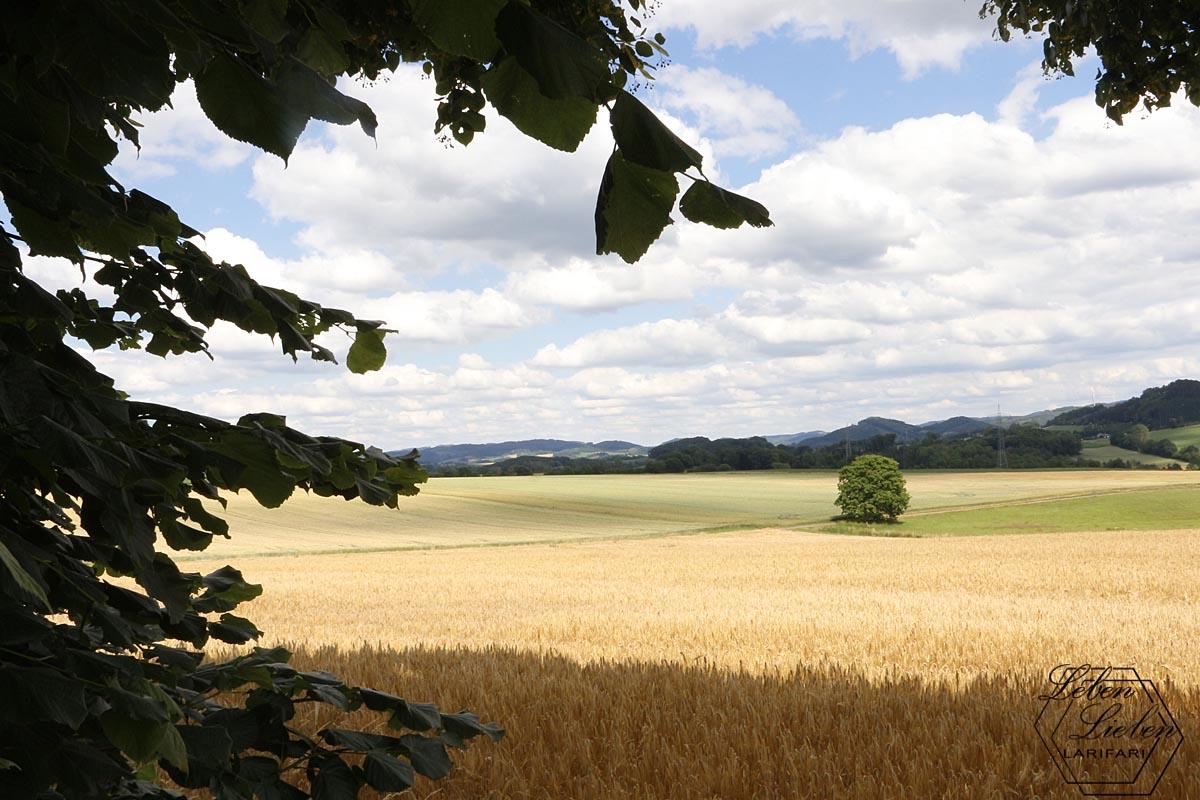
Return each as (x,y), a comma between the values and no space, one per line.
(793,438)
(1171,406)
(865,429)
(956,426)
(475,454)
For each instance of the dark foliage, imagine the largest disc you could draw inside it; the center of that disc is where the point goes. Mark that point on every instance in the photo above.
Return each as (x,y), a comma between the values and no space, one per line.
(704,455)
(1170,406)
(1026,447)
(102,677)
(1148,49)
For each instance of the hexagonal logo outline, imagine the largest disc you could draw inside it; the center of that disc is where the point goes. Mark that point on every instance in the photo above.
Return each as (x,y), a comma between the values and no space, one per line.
(1122,788)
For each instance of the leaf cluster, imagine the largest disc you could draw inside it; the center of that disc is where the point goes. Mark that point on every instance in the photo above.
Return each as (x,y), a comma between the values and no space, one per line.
(1148,50)
(102,674)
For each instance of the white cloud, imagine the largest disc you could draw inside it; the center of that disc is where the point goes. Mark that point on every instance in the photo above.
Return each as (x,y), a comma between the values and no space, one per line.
(667,342)
(921,33)
(740,118)
(930,268)
(175,135)
(504,199)
(582,285)
(360,281)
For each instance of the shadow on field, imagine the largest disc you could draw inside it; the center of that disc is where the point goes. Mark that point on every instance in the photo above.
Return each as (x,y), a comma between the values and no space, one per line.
(670,731)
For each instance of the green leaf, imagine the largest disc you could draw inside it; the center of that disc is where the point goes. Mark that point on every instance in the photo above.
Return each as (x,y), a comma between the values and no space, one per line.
(333,780)
(563,64)
(368,353)
(272,115)
(304,89)
(172,748)
(428,756)
(712,205)
(28,693)
(208,749)
(244,105)
(266,420)
(260,472)
(387,773)
(204,518)
(633,208)
(184,537)
(333,695)
(267,17)
(322,52)
(358,740)
(643,138)
(224,589)
(462,27)
(234,629)
(45,236)
(563,124)
(23,579)
(467,725)
(415,716)
(137,738)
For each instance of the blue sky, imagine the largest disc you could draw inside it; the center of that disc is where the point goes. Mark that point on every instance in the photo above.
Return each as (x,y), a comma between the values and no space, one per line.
(952,231)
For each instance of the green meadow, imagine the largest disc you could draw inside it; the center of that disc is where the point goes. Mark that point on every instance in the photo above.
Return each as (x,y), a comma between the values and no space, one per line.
(1189,434)
(1173,508)
(1107,452)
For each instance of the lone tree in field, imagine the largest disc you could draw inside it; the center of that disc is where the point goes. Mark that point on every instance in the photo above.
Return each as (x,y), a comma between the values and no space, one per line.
(871,489)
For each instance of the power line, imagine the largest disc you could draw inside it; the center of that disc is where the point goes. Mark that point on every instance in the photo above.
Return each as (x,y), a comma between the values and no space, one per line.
(1001,455)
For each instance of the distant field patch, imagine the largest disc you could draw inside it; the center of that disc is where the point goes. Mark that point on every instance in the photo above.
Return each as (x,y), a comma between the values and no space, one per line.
(1107,452)
(1150,509)
(1189,434)
(467,512)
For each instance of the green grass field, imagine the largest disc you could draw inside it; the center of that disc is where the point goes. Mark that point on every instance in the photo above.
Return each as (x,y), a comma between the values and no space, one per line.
(1182,437)
(1174,508)
(1107,452)
(466,512)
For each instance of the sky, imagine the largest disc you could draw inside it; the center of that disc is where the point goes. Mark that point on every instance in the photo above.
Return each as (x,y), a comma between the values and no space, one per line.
(954,232)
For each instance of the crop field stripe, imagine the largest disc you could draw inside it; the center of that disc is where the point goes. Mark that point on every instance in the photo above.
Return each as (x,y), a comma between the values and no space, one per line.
(466,512)
(599,538)
(1176,508)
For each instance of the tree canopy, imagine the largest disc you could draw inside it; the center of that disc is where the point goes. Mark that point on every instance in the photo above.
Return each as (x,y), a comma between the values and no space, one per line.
(1149,50)
(871,488)
(102,673)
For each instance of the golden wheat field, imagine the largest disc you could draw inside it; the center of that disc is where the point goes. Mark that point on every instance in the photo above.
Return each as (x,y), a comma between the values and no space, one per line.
(768,663)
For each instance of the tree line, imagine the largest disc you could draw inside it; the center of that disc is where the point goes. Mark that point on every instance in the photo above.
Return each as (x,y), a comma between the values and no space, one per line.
(1025,447)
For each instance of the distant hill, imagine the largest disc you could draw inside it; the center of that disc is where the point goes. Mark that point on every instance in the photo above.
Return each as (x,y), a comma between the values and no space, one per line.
(907,432)
(865,429)
(793,438)
(1170,406)
(956,426)
(1036,418)
(474,454)
(486,454)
